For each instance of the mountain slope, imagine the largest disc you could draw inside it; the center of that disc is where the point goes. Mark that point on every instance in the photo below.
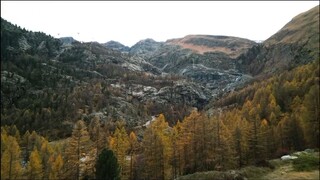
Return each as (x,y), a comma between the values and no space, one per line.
(208,60)
(116,46)
(53,82)
(231,46)
(47,84)
(295,44)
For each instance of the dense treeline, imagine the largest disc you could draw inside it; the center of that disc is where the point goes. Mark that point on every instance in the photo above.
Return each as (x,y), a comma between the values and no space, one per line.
(274,117)
(39,43)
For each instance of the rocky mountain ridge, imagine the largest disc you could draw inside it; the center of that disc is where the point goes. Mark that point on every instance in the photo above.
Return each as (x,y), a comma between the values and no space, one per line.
(297,43)
(135,83)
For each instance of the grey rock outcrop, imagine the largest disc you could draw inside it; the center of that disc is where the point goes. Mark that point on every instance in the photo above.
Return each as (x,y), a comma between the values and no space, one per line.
(116,46)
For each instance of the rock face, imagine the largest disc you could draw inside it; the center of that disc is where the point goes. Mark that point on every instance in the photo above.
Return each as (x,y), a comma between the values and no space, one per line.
(208,60)
(67,40)
(145,48)
(295,44)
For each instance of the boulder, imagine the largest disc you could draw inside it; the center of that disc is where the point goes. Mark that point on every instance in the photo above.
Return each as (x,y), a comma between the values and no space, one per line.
(288,157)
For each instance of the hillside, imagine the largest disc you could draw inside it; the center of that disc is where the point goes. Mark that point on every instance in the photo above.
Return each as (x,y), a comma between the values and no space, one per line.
(214,69)
(295,44)
(53,82)
(232,46)
(278,169)
(116,46)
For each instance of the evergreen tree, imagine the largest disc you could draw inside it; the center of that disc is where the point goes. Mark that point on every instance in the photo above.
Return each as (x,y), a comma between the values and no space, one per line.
(107,166)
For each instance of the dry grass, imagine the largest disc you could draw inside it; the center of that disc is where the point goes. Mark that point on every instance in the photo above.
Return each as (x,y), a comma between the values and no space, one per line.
(201,49)
(286,172)
(283,171)
(299,29)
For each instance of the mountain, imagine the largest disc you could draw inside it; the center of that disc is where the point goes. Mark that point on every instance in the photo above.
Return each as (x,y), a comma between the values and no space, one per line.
(15,41)
(209,60)
(53,82)
(196,104)
(295,44)
(67,40)
(116,46)
(231,46)
(68,79)
(145,48)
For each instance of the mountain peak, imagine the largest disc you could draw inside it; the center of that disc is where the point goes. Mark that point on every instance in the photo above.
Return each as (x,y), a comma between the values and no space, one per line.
(115,45)
(148,40)
(233,46)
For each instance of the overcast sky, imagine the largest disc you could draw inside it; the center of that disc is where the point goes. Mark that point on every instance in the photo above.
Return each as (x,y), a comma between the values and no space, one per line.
(129,22)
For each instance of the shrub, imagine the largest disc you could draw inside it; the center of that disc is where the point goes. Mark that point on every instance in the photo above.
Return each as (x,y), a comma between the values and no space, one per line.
(306,162)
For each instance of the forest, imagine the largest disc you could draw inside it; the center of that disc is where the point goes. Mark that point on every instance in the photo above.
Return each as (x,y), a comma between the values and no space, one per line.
(261,121)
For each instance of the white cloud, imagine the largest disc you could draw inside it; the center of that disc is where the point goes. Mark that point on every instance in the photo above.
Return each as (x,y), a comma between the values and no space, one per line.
(129,22)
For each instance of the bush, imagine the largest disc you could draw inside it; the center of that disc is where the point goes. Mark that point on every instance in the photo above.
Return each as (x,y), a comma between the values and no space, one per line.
(306,162)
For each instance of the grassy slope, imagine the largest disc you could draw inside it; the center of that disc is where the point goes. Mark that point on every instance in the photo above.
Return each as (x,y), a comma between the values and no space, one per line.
(286,172)
(283,171)
(302,28)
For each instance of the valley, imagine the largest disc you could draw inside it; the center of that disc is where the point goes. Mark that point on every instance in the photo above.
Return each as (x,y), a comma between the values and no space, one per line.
(197,106)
